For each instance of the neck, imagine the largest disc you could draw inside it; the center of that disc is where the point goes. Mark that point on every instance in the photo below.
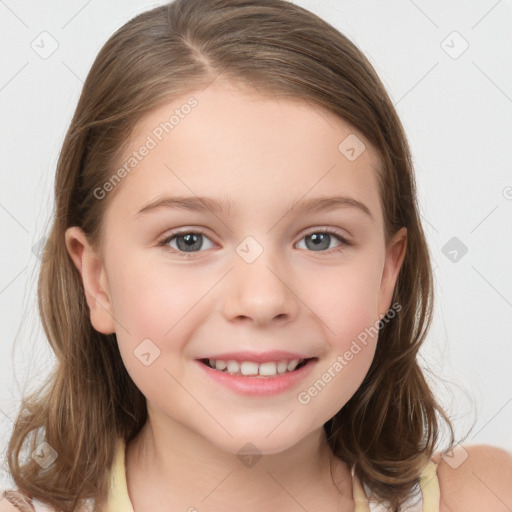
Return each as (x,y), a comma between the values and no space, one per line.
(169,464)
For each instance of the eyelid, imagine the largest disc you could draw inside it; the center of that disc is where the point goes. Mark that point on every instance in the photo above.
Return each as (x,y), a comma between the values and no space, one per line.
(167,237)
(329,230)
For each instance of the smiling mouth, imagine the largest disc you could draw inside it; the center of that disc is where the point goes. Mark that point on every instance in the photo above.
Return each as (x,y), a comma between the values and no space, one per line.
(255,370)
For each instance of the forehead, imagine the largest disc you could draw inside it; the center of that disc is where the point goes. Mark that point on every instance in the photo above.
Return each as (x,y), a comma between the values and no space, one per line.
(256,151)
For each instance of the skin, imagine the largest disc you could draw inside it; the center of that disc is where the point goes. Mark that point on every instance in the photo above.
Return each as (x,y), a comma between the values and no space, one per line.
(264,154)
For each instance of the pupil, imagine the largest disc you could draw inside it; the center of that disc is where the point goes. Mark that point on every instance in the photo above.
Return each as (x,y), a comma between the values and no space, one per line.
(191,241)
(318,239)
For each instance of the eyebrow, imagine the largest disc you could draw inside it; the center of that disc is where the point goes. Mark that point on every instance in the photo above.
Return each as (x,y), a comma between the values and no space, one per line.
(208,204)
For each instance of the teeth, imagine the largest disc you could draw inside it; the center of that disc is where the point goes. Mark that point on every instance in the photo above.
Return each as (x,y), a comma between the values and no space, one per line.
(233,366)
(219,365)
(268,368)
(282,366)
(249,368)
(293,364)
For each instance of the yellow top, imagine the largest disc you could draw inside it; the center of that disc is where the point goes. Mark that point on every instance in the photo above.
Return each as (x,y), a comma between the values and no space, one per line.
(425,499)
(427,496)
(118,499)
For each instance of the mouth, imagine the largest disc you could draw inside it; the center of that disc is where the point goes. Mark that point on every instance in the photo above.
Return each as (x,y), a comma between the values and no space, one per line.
(253,379)
(270,369)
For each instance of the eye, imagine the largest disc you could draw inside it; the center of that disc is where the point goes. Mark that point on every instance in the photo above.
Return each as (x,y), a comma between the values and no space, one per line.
(190,242)
(321,239)
(187,241)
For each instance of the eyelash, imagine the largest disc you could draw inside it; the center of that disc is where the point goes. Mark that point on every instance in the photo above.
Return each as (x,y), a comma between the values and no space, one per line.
(198,231)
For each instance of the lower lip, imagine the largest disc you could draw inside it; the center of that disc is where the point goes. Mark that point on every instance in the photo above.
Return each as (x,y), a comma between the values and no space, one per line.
(257,386)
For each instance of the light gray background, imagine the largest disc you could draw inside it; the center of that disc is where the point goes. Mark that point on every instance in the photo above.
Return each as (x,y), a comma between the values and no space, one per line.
(456,108)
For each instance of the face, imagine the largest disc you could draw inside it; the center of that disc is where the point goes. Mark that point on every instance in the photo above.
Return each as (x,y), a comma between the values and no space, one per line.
(260,273)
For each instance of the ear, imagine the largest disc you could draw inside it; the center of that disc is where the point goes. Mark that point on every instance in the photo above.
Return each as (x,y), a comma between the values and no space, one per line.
(395,253)
(94,279)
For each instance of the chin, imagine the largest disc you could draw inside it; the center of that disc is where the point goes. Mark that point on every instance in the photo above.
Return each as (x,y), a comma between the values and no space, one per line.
(259,441)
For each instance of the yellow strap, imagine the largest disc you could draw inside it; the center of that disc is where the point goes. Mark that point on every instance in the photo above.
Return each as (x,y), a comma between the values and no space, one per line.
(358,494)
(118,499)
(429,486)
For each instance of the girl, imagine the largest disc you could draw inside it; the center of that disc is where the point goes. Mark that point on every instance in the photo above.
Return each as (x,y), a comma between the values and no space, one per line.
(236,284)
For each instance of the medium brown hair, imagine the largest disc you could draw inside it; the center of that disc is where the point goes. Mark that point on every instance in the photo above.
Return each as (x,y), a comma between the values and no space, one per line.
(391,425)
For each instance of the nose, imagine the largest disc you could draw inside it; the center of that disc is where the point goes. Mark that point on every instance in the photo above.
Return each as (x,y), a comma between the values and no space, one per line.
(261,292)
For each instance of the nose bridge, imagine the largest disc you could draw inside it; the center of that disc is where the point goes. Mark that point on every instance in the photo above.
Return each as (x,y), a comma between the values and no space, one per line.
(259,288)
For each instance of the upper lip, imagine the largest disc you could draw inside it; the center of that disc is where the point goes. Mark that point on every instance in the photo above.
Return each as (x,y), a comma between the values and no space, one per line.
(257,357)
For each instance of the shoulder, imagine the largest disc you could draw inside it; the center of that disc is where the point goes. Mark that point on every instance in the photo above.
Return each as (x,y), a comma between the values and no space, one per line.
(7,506)
(475,478)
(13,501)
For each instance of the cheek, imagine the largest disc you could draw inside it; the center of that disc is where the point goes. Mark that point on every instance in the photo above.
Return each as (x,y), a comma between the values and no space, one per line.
(346,300)
(151,302)
(148,312)
(346,303)
(337,381)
